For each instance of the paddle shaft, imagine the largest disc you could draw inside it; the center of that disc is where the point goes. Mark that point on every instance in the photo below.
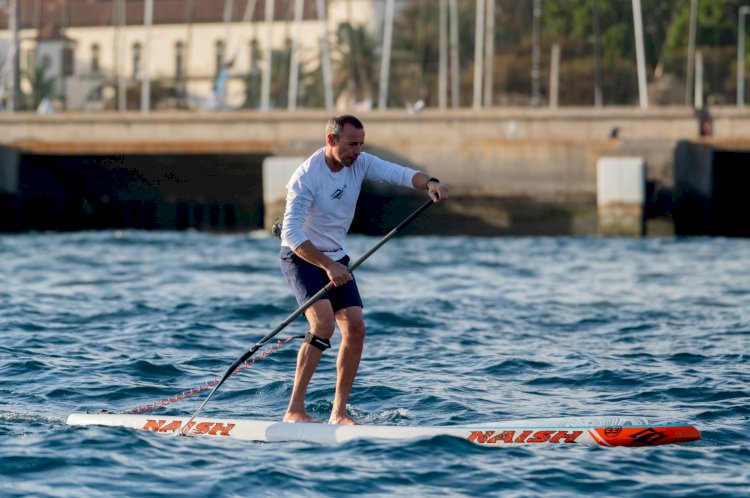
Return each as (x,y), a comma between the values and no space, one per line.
(306,305)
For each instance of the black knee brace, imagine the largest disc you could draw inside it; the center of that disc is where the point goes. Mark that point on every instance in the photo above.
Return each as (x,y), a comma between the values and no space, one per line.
(316,341)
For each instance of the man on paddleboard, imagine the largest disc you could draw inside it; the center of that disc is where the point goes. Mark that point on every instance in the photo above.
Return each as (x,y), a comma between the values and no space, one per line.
(321,198)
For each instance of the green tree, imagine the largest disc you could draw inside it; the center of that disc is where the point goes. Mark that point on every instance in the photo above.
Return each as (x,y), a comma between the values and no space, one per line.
(666,28)
(572,22)
(716,23)
(42,85)
(279,80)
(355,63)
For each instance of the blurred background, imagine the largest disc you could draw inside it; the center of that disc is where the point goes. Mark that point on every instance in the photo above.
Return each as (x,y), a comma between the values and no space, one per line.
(546,117)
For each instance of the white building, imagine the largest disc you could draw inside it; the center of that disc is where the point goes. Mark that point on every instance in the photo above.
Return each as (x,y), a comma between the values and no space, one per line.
(90,49)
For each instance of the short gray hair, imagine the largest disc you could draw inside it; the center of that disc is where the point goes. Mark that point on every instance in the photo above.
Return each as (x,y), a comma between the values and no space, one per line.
(335,125)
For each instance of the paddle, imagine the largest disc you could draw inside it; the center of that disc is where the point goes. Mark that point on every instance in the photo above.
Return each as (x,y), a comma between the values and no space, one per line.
(304,307)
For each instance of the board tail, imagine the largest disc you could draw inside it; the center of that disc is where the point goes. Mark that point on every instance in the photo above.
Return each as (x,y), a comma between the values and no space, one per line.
(644,436)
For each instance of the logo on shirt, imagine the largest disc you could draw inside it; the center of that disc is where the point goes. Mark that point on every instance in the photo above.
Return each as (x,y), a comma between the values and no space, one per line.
(338,192)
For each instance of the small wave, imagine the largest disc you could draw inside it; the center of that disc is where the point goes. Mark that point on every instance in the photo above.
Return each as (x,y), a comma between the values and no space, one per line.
(29,418)
(388,319)
(390,416)
(23,367)
(150,369)
(687,358)
(245,269)
(516,366)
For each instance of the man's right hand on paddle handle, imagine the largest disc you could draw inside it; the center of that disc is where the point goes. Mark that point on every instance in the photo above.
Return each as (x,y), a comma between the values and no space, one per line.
(437,191)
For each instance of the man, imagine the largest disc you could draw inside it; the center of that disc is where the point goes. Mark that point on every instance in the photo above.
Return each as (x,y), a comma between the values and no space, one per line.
(321,198)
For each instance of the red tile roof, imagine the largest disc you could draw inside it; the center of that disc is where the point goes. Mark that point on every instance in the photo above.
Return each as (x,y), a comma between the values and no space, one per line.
(37,13)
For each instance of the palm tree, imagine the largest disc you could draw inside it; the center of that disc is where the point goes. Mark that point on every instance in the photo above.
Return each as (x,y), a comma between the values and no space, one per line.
(355,64)
(42,86)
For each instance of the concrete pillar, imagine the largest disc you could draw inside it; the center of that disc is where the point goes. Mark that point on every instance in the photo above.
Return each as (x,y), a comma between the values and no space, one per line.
(10,159)
(621,193)
(276,174)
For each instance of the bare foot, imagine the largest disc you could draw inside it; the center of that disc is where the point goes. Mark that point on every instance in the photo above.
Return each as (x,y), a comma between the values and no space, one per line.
(297,417)
(345,420)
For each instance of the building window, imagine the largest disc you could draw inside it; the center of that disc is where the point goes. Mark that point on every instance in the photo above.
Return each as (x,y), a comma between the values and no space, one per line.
(220,53)
(68,61)
(95,54)
(179,60)
(136,61)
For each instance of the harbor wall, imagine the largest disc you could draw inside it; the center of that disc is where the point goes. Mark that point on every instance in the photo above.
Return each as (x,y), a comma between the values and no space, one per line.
(511,171)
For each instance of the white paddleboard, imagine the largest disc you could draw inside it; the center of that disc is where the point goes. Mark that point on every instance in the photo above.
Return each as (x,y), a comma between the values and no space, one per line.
(595,431)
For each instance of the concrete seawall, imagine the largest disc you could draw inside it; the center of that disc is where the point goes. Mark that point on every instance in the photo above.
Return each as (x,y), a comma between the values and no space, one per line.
(511,170)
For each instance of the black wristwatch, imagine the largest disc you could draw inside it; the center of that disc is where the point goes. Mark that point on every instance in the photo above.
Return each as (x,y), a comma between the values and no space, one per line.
(432,179)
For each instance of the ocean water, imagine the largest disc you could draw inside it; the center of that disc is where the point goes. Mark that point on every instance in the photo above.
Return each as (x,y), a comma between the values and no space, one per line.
(460,330)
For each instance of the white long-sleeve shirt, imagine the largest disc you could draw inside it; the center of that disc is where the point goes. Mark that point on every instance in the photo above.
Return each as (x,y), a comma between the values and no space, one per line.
(320,204)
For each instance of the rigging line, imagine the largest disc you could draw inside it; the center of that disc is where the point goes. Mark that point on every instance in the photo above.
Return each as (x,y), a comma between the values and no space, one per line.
(208,384)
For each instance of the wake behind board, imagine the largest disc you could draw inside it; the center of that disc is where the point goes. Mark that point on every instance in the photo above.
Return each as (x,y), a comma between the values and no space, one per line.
(596,431)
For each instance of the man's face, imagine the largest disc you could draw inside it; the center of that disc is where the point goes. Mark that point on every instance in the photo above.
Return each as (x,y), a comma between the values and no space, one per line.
(349,146)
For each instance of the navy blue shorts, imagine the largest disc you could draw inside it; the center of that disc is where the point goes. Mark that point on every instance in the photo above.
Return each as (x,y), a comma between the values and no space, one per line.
(306,279)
